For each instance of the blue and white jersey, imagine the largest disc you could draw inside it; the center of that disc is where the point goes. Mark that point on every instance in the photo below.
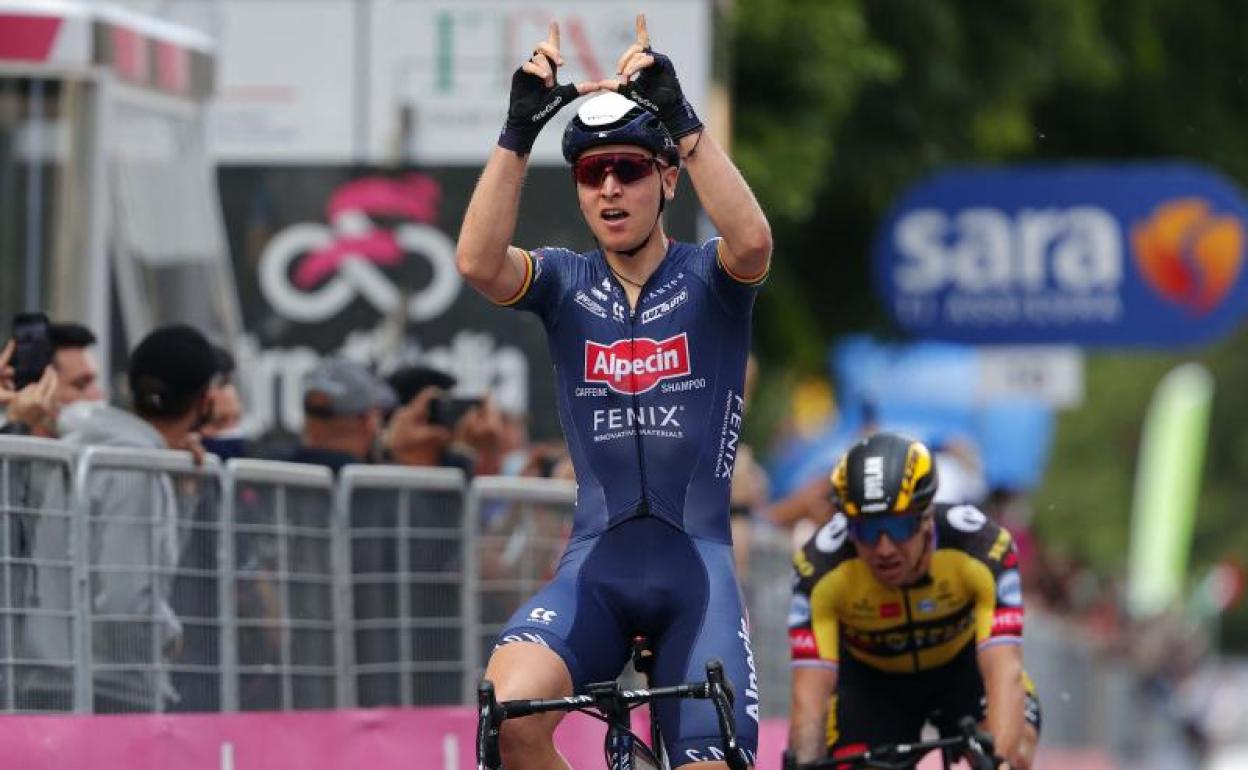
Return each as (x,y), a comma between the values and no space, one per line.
(650,399)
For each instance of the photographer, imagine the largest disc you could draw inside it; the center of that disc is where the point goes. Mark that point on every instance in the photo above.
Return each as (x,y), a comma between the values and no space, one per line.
(432,429)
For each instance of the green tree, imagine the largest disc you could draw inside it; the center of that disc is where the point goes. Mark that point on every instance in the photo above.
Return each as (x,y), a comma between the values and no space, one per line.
(798,69)
(840,106)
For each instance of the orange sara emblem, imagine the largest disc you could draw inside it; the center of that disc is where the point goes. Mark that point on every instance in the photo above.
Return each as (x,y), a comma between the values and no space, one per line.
(1188,254)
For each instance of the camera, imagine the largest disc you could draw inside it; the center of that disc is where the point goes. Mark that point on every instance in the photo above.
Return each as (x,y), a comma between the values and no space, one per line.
(447,411)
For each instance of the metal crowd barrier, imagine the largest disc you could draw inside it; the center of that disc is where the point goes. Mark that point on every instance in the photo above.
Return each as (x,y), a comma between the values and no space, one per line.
(137,513)
(135,581)
(408,584)
(521,525)
(286,609)
(40,631)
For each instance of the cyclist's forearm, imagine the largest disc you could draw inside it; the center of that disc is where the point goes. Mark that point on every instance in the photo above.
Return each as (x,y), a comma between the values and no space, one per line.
(490,220)
(729,202)
(808,737)
(808,712)
(1003,683)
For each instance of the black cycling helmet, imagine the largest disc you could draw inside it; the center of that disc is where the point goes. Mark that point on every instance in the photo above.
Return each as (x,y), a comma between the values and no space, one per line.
(613,119)
(886,473)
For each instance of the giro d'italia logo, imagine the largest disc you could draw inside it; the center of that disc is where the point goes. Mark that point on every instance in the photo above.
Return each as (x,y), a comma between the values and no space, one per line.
(1189,254)
(310,272)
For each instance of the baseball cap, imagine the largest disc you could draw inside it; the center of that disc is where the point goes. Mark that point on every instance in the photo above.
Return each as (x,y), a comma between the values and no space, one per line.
(337,387)
(410,380)
(170,366)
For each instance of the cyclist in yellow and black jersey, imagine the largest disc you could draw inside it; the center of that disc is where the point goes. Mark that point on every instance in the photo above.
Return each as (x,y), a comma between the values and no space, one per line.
(905,612)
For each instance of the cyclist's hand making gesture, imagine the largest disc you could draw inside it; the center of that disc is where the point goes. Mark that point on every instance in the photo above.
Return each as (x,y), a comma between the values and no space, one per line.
(656,86)
(484,253)
(536,94)
(649,79)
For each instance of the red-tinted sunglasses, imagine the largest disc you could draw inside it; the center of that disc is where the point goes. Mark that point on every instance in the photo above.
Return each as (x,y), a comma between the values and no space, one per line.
(628,167)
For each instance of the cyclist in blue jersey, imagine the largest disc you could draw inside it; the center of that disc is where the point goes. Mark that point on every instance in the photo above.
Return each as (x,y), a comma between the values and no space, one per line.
(649,339)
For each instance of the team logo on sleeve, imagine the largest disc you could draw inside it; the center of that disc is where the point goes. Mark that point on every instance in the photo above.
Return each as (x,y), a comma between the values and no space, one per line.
(799,611)
(636,365)
(1010,588)
(1007,621)
(832,536)
(802,644)
(967,518)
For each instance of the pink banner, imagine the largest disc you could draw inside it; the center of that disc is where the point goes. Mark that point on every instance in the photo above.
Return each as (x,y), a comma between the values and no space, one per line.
(375,739)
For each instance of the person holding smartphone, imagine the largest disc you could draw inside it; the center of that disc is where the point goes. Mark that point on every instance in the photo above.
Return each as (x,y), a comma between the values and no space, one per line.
(51,367)
(27,382)
(27,408)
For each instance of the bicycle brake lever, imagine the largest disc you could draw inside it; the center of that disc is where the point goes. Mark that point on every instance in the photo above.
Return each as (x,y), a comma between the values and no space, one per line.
(489,720)
(715,677)
(979,742)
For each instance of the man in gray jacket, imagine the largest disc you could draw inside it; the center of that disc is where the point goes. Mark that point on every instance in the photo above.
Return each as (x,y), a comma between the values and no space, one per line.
(132,536)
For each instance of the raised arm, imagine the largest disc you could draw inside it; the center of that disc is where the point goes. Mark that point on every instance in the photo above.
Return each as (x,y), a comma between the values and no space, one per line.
(730,204)
(721,189)
(484,254)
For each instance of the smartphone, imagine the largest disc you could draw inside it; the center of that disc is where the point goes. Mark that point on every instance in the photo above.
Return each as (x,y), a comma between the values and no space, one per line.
(447,411)
(32,351)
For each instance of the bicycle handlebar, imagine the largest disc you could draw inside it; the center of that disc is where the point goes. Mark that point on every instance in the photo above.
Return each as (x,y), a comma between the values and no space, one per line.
(614,703)
(522,708)
(904,756)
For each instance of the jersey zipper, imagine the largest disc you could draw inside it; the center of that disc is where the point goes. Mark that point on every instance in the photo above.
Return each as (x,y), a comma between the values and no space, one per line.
(914,642)
(644,505)
(641,455)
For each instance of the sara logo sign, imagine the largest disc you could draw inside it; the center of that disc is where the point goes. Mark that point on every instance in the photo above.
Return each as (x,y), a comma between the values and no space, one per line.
(636,365)
(310,272)
(1108,255)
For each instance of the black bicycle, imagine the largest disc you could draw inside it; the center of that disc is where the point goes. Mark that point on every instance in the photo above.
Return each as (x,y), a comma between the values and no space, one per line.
(609,703)
(973,745)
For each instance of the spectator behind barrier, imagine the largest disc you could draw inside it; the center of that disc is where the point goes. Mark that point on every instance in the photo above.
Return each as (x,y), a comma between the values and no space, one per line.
(72,377)
(77,370)
(343,404)
(421,432)
(224,435)
(169,376)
